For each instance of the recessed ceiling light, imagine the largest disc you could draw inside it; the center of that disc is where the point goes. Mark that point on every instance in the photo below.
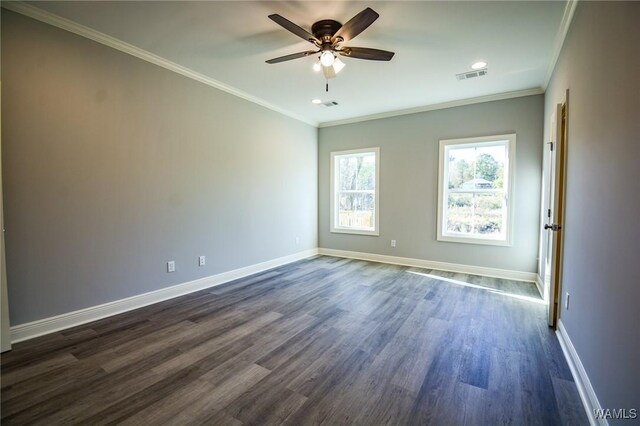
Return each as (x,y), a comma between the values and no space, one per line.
(479,65)
(316,101)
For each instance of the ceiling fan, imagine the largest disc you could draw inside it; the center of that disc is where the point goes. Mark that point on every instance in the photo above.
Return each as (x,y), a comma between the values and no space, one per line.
(328,36)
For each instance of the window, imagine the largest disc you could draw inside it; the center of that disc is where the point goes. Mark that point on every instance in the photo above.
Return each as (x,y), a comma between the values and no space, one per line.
(354,191)
(475,190)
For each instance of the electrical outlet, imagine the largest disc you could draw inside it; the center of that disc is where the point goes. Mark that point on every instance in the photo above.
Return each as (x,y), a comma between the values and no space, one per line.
(566,302)
(393,243)
(171,266)
(202,261)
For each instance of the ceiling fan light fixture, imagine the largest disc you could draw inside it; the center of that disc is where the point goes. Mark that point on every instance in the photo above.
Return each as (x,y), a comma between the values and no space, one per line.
(328,72)
(338,65)
(327,58)
(327,37)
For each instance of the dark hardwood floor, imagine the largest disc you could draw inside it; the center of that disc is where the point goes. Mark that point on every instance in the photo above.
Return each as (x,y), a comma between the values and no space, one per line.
(321,341)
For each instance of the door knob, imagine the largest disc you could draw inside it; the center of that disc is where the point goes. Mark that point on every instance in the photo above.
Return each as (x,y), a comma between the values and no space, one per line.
(553,227)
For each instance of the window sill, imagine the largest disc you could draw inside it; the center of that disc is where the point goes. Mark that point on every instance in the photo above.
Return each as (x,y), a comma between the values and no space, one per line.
(355,232)
(479,241)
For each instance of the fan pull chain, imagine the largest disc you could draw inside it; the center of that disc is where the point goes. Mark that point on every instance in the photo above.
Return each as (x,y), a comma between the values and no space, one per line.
(327,86)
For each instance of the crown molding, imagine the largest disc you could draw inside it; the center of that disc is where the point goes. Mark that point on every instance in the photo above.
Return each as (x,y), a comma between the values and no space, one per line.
(107,40)
(567,17)
(433,107)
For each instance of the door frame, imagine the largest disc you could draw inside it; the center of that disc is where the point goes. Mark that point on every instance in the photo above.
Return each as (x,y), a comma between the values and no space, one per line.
(560,146)
(5,331)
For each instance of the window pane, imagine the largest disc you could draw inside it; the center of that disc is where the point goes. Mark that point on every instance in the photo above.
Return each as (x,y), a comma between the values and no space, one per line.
(366,172)
(489,212)
(460,213)
(356,210)
(476,214)
(347,172)
(490,167)
(476,167)
(461,162)
(345,210)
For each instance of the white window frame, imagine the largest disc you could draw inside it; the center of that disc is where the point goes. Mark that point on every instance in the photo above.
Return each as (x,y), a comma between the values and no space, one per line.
(443,192)
(334,194)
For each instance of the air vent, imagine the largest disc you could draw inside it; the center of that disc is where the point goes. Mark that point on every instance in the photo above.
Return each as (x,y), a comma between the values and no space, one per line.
(472,74)
(330,104)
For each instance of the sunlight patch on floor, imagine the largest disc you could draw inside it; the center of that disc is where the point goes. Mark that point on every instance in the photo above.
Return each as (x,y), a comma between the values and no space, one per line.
(489,289)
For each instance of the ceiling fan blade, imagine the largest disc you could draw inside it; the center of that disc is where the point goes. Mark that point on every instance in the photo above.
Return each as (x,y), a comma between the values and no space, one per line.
(356,25)
(366,53)
(292,56)
(290,26)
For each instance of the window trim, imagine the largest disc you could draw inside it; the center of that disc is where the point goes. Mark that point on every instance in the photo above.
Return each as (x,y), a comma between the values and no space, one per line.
(511,166)
(333,194)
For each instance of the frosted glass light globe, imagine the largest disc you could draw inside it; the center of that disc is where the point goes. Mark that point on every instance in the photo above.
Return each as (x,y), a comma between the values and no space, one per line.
(327,58)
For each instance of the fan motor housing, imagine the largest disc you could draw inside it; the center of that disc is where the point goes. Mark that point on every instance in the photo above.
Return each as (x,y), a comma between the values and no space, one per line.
(325,29)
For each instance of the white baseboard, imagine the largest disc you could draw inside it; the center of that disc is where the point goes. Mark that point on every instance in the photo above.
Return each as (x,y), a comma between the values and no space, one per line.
(44,326)
(587,394)
(540,285)
(430,264)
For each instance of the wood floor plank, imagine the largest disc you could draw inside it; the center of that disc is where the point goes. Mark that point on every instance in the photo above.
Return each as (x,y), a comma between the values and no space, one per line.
(254,347)
(32,399)
(32,352)
(218,348)
(40,368)
(553,353)
(391,407)
(321,341)
(568,399)
(199,400)
(419,351)
(504,383)
(150,345)
(292,346)
(539,403)
(320,403)
(272,388)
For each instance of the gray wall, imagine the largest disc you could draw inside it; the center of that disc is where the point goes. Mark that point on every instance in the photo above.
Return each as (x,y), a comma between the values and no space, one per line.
(112,166)
(599,65)
(409,181)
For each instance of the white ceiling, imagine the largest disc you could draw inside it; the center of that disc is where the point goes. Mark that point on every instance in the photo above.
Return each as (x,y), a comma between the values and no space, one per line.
(229,41)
